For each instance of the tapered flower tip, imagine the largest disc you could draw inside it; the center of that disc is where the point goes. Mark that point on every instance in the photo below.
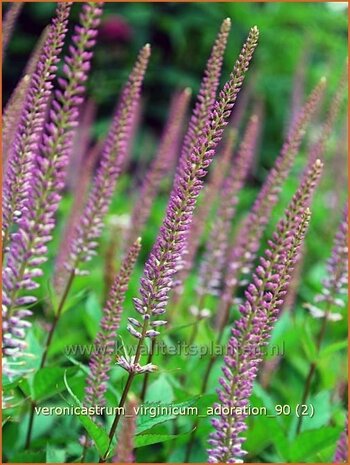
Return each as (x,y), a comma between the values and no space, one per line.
(323,80)
(188,91)
(147,49)
(253,36)
(254,118)
(138,241)
(226,25)
(318,163)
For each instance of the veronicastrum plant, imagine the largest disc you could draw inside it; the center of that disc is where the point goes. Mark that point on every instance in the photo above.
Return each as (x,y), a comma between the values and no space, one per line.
(214,272)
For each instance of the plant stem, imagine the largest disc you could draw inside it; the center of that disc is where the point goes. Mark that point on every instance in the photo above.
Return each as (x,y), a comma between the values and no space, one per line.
(125,392)
(117,416)
(312,368)
(203,389)
(30,425)
(57,317)
(146,377)
(46,350)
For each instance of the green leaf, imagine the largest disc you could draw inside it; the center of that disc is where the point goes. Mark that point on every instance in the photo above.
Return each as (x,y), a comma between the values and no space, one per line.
(54,455)
(160,391)
(309,443)
(92,314)
(322,406)
(147,439)
(28,456)
(148,421)
(308,342)
(96,433)
(330,349)
(48,381)
(257,439)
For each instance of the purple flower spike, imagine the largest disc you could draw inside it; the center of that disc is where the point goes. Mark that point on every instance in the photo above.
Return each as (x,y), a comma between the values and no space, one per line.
(100,362)
(337,266)
(334,290)
(125,446)
(264,299)
(247,241)
(112,160)
(162,163)
(168,249)
(207,93)
(219,170)
(251,333)
(318,148)
(28,247)
(80,195)
(20,166)
(12,113)
(341,453)
(214,259)
(9,23)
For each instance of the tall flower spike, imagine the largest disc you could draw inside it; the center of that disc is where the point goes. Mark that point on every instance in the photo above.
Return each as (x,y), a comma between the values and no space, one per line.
(341,452)
(22,155)
(207,93)
(125,444)
(167,251)
(80,195)
(318,148)
(8,24)
(214,259)
(112,160)
(337,267)
(298,89)
(219,170)
(81,143)
(334,289)
(162,163)
(264,300)
(15,105)
(100,361)
(251,333)
(247,241)
(28,248)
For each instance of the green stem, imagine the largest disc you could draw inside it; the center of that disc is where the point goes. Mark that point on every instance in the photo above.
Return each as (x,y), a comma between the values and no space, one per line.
(46,350)
(146,377)
(30,425)
(125,392)
(312,368)
(203,389)
(117,416)
(57,317)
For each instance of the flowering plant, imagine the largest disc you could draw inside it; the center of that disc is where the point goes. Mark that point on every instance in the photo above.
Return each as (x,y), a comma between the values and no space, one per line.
(144,295)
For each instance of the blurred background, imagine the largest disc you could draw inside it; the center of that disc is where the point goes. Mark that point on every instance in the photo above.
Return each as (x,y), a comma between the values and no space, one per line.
(305,38)
(299,43)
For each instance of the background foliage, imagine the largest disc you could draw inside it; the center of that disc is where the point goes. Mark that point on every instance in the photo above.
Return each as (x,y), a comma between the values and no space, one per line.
(181,36)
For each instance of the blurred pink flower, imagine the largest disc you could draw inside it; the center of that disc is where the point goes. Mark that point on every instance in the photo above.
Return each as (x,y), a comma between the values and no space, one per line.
(115,28)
